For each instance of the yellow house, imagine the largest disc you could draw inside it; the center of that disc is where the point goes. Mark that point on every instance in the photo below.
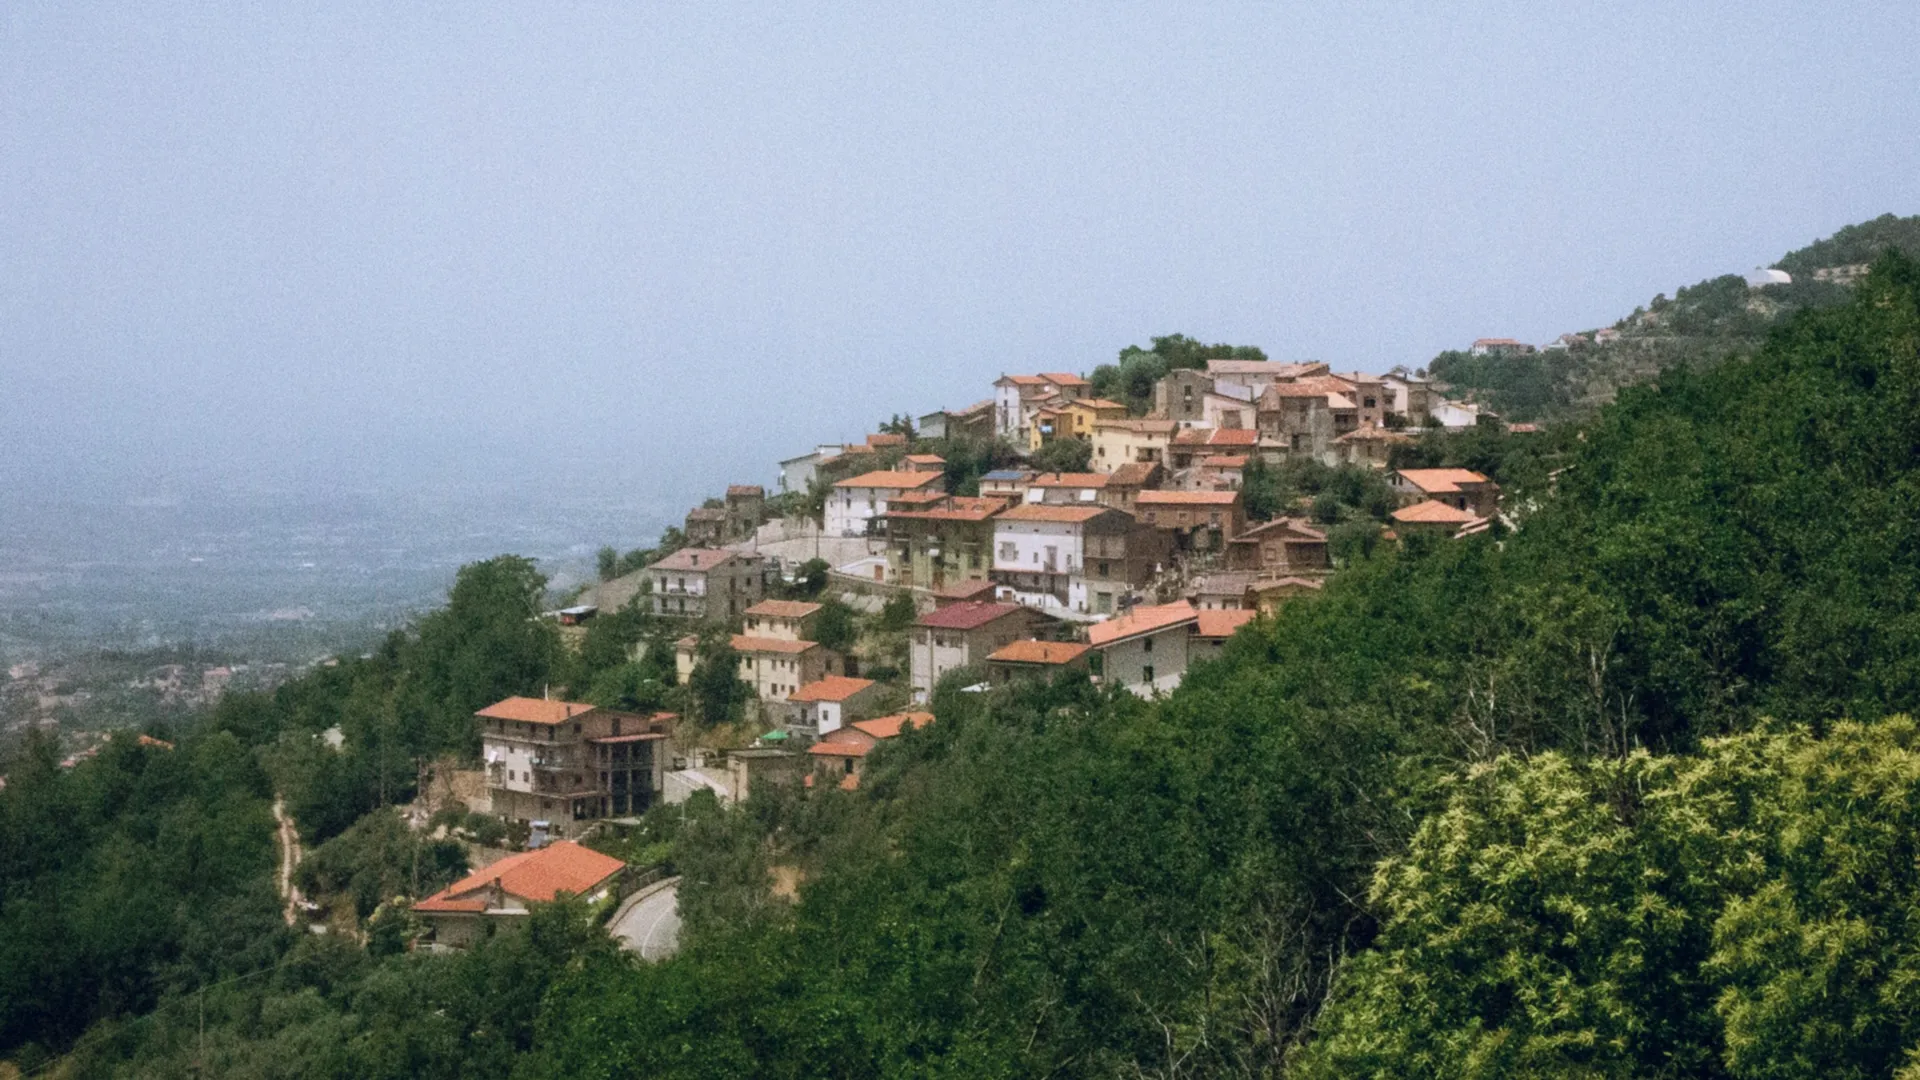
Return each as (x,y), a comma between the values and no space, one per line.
(1124,442)
(1076,418)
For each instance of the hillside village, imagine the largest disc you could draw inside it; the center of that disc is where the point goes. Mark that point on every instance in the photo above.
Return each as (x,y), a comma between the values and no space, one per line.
(1141,561)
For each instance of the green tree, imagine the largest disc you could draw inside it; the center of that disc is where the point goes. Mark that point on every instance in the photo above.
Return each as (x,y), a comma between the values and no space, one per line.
(835,626)
(1063,455)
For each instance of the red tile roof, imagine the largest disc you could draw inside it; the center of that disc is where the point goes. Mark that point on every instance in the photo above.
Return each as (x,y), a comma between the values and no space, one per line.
(831,688)
(1441,481)
(533,876)
(1432,512)
(783,609)
(1188,498)
(889,478)
(526,710)
(926,459)
(1065,515)
(886,727)
(1228,437)
(970,615)
(1064,378)
(745,489)
(964,590)
(1141,620)
(1220,624)
(1140,426)
(1100,403)
(1132,474)
(1039,652)
(886,439)
(745,644)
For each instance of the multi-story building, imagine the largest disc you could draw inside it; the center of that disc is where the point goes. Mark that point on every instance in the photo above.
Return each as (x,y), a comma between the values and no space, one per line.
(1080,559)
(1125,484)
(1194,520)
(1130,442)
(961,634)
(746,508)
(1248,379)
(776,667)
(1071,418)
(1409,397)
(859,502)
(831,703)
(568,763)
(1462,489)
(1193,445)
(707,583)
(1179,395)
(943,544)
(1145,650)
(1018,397)
(1283,547)
(789,620)
(1008,484)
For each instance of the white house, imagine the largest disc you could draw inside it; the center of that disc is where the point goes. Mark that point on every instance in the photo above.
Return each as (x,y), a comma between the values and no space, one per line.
(1146,650)
(1016,396)
(827,704)
(1039,551)
(856,502)
(1248,379)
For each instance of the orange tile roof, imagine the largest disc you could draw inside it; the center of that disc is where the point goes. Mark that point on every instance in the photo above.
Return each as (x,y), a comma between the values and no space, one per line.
(745,644)
(1141,426)
(783,609)
(1220,624)
(1188,498)
(886,727)
(1066,515)
(1432,512)
(534,876)
(964,590)
(1441,481)
(916,498)
(745,489)
(1039,652)
(1224,461)
(1141,620)
(526,710)
(886,439)
(926,459)
(1070,480)
(831,747)
(1021,380)
(1064,378)
(889,478)
(831,688)
(1099,403)
(1217,437)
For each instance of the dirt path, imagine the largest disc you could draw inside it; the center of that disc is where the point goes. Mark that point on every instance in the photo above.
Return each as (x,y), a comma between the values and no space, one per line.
(289,859)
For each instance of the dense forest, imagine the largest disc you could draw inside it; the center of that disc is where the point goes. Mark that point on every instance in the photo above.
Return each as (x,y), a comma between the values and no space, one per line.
(1627,790)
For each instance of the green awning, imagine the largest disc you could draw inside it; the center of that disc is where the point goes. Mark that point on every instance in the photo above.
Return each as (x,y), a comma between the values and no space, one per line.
(774,736)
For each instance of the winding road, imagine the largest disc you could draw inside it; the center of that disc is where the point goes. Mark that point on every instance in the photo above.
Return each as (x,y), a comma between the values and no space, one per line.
(648,922)
(290,855)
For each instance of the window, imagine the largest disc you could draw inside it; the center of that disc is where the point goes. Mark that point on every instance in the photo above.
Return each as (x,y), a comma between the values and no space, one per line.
(1146,673)
(1008,551)
(1103,570)
(1146,646)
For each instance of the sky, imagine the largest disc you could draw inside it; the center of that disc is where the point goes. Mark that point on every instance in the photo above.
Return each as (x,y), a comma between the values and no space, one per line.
(656,248)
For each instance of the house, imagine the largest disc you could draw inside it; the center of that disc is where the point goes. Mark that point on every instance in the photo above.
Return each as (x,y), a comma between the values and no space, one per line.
(686,653)
(1127,442)
(1410,397)
(1432,516)
(1074,418)
(746,509)
(1369,396)
(788,620)
(566,763)
(1145,650)
(942,544)
(1223,590)
(505,891)
(1017,397)
(838,756)
(760,766)
(1498,346)
(1008,484)
(832,702)
(924,463)
(1283,547)
(1036,660)
(1270,593)
(1067,489)
(1193,444)
(1179,394)
(858,502)
(1248,379)
(886,440)
(1212,629)
(1462,489)
(1606,336)
(1456,415)
(706,526)
(975,421)
(707,583)
(961,634)
(1226,411)
(1368,446)
(1305,416)
(1070,556)
(797,473)
(1218,472)
(1125,484)
(1194,520)
(777,666)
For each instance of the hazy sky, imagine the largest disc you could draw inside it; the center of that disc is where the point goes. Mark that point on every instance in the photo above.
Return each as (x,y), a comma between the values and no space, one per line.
(663,246)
